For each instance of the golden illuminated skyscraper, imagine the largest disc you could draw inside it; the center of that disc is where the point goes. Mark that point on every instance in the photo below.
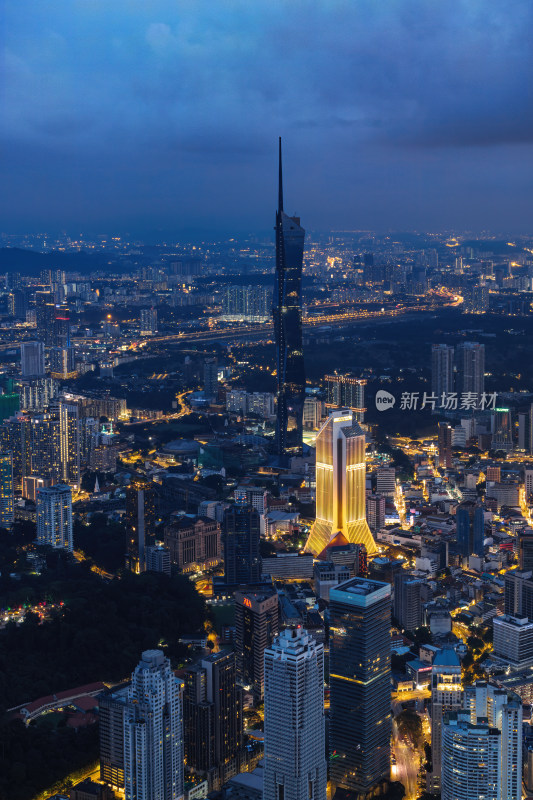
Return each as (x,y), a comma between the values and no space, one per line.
(340,485)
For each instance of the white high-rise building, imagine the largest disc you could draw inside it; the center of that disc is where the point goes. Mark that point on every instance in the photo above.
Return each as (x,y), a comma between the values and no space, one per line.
(446,695)
(340,485)
(528,482)
(386,481)
(471,759)
(32,359)
(153,731)
(295,761)
(513,641)
(54,516)
(482,746)
(504,712)
(148,321)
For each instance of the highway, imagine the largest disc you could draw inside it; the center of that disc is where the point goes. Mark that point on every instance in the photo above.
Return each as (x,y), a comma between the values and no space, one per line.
(344,318)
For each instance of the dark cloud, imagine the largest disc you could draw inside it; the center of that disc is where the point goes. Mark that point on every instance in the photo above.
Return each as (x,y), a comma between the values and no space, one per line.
(115,102)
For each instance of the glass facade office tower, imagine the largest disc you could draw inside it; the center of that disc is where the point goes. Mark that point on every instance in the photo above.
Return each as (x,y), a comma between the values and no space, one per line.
(470,520)
(287,313)
(140,523)
(360,692)
(240,536)
(153,731)
(340,485)
(295,760)
(32,359)
(212,719)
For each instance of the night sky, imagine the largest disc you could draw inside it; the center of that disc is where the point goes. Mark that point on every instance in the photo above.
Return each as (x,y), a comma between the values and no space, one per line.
(158,115)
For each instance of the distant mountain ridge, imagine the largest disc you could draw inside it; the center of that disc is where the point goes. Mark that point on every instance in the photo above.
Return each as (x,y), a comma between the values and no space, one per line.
(30,262)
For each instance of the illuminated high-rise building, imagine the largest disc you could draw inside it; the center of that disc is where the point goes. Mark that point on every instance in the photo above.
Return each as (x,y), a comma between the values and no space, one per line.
(445,445)
(32,359)
(295,759)
(256,625)
(211,377)
(61,335)
(140,522)
(441,370)
(212,718)
(470,519)
(287,313)
(359,666)
(502,429)
(340,485)
(54,517)
(44,448)
(6,490)
(446,695)
(345,391)
(153,731)
(503,709)
(36,394)
(45,312)
(148,321)
(480,298)
(70,442)
(62,363)
(15,438)
(482,746)
(240,537)
(247,303)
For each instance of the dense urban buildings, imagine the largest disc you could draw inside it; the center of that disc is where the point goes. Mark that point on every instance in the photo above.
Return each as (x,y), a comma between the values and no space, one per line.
(172,481)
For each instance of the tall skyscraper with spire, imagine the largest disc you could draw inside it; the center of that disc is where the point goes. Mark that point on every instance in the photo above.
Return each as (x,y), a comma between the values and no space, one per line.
(287,313)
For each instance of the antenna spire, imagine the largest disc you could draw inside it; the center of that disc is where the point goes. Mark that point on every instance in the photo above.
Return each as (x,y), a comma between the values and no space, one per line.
(280,183)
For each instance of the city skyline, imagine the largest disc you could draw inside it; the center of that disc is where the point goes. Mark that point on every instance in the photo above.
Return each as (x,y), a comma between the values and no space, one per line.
(266,496)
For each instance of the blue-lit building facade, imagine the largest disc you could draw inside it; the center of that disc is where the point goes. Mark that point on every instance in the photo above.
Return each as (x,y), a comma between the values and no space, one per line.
(470,520)
(360,710)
